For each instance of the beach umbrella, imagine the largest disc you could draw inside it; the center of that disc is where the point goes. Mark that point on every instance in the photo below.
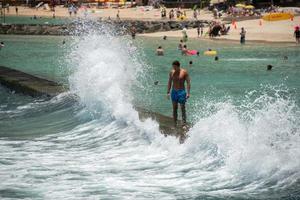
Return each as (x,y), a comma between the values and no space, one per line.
(240,5)
(249,7)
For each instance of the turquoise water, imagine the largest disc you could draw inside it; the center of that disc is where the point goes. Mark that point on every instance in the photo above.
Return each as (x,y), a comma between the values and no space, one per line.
(40,56)
(240,69)
(89,143)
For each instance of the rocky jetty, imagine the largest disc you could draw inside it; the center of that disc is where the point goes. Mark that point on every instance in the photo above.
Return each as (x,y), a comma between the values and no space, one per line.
(122,27)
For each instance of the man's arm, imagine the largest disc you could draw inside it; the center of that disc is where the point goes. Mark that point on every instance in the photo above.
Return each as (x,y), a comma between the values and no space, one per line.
(169,84)
(188,86)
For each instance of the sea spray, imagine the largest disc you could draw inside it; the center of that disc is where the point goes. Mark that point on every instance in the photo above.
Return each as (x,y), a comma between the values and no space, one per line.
(242,146)
(255,141)
(105,70)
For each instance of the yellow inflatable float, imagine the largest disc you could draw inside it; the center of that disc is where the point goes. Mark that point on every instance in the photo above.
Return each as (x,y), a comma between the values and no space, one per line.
(277,16)
(210,53)
(181,18)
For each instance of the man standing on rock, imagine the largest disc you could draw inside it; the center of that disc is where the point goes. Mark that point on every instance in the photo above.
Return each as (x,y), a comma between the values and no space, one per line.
(177,79)
(133,32)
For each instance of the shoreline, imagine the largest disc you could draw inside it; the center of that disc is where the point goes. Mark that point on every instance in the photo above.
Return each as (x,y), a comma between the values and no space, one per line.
(150,24)
(237,41)
(257,30)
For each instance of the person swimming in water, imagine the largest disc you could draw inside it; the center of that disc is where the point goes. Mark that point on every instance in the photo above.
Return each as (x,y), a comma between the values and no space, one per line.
(179,95)
(184,50)
(159,51)
(1,45)
(269,67)
(181,44)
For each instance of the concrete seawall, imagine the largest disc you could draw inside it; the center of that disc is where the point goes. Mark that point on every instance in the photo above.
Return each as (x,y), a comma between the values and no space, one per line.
(122,27)
(34,86)
(28,84)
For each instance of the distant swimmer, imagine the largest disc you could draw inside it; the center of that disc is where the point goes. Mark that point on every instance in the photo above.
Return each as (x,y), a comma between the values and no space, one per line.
(165,37)
(216,58)
(177,79)
(1,45)
(190,63)
(184,50)
(181,44)
(64,42)
(269,67)
(155,82)
(285,57)
(198,53)
(159,51)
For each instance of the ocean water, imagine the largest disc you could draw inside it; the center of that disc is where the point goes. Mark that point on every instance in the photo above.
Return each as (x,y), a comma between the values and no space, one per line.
(89,143)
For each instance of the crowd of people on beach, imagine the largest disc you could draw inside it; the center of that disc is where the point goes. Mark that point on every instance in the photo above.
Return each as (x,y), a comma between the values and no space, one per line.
(217,29)
(72,9)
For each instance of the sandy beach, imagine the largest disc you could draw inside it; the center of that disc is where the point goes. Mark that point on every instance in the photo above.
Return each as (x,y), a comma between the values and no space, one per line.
(257,30)
(139,13)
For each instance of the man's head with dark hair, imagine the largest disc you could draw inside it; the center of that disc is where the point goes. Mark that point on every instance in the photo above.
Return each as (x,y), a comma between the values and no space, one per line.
(269,67)
(176,65)
(184,46)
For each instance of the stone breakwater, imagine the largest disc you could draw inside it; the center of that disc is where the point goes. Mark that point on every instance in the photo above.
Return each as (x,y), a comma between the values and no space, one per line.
(122,27)
(28,84)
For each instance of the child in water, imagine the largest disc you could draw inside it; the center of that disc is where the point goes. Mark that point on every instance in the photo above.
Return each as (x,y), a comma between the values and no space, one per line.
(181,44)
(1,45)
(184,50)
(159,51)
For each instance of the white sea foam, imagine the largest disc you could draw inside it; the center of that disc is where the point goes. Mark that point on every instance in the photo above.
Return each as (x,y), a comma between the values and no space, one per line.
(243,149)
(105,69)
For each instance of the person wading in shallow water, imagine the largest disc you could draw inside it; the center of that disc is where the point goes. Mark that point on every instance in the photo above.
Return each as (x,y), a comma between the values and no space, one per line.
(243,36)
(177,79)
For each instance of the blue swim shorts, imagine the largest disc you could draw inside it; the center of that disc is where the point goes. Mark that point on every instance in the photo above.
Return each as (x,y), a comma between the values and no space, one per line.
(178,96)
